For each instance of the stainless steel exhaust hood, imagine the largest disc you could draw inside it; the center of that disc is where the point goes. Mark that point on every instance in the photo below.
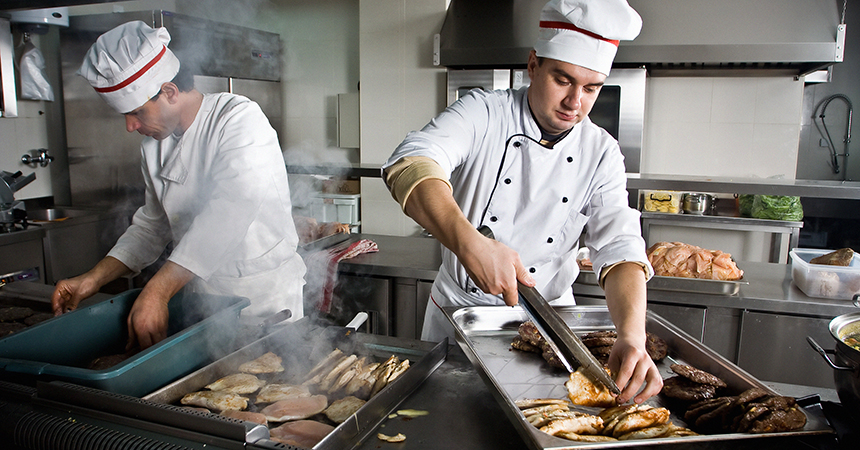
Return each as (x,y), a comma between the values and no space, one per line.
(792,36)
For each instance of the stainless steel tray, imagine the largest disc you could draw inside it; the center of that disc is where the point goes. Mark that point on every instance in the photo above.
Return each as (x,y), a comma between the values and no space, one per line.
(301,346)
(485,334)
(679,284)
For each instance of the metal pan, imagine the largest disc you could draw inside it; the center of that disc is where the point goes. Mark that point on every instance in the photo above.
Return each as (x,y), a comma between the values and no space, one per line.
(485,335)
(295,342)
(679,284)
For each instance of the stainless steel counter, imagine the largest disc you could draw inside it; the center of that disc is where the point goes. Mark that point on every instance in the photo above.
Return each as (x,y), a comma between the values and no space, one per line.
(766,186)
(400,257)
(770,289)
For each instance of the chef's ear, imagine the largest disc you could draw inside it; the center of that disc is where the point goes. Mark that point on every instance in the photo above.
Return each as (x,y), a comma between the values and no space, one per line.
(170,92)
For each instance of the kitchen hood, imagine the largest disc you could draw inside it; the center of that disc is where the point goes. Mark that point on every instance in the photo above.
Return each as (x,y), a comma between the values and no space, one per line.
(695,36)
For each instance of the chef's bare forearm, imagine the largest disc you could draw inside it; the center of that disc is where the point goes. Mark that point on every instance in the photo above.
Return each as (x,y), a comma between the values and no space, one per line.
(432,206)
(626,298)
(169,279)
(107,270)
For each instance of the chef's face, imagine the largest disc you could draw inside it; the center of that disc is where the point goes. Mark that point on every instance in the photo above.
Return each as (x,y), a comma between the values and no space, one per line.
(155,118)
(561,94)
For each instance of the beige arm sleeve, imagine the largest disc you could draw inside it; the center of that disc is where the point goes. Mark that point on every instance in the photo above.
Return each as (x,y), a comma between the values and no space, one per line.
(402,176)
(606,270)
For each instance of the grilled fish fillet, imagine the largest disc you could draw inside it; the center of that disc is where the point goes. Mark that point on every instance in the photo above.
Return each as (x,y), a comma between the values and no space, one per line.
(342,409)
(237,383)
(217,400)
(295,408)
(301,433)
(268,363)
(274,392)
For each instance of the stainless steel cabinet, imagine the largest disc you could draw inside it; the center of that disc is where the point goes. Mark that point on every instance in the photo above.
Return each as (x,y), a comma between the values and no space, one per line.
(395,305)
(773,347)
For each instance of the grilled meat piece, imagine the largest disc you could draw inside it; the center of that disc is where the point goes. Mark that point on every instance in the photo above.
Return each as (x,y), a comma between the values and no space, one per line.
(584,390)
(683,389)
(215,400)
(13,313)
(342,409)
(274,392)
(268,363)
(841,257)
(522,345)
(301,433)
(697,375)
(583,424)
(677,259)
(656,347)
(37,318)
(237,383)
(295,408)
(779,421)
(529,333)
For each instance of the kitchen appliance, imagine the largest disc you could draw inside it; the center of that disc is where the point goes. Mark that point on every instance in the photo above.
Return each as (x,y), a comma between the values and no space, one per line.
(485,334)
(619,109)
(13,214)
(846,367)
(679,37)
(104,159)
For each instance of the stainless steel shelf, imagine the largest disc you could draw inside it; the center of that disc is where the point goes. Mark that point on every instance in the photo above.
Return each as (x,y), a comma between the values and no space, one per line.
(765,186)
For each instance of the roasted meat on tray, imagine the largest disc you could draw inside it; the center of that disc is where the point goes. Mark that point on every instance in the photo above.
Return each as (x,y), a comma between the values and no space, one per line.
(677,259)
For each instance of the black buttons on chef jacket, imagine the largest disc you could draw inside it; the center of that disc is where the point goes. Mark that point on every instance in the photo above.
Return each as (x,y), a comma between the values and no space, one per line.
(517,144)
(570,159)
(474,290)
(532,270)
(494,219)
(564,199)
(549,240)
(507,181)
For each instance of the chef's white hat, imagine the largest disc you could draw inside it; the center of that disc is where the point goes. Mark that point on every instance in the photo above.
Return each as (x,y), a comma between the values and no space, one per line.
(128,64)
(586,32)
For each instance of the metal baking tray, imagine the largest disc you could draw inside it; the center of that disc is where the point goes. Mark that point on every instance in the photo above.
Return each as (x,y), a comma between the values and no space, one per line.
(679,284)
(485,334)
(301,342)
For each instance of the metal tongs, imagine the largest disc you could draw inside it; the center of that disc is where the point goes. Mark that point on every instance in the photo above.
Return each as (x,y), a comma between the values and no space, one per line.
(567,345)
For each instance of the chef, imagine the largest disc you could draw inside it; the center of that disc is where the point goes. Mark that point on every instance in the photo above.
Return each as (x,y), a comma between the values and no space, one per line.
(532,166)
(216,188)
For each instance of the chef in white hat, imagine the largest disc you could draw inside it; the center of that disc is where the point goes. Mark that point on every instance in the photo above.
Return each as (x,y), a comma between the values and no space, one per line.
(216,188)
(532,166)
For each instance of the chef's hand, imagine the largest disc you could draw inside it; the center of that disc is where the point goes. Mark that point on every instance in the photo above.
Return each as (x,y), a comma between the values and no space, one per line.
(626,297)
(147,321)
(495,268)
(69,293)
(633,368)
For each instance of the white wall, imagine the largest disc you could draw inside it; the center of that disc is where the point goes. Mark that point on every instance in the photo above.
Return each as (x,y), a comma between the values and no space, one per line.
(400,91)
(726,127)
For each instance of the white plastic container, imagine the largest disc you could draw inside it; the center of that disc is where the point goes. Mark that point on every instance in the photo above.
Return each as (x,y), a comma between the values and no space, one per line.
(335,208)
(821,280)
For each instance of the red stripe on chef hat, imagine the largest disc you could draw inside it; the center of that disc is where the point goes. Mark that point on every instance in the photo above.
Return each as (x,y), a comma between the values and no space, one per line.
(572,27)
(135,76)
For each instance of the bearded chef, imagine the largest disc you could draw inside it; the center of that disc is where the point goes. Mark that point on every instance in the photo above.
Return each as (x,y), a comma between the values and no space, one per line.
(531,165)
(216,188)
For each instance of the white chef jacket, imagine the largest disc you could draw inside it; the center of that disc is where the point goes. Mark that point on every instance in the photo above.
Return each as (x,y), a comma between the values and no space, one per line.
(536,200)
(219,192)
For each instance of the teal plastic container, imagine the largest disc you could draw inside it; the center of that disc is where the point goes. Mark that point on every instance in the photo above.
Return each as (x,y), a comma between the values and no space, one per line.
(202,329)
